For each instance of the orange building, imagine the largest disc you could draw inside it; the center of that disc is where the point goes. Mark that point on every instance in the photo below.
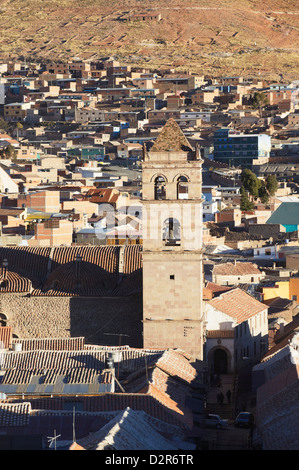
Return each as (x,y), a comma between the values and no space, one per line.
(43,201)
(54,232)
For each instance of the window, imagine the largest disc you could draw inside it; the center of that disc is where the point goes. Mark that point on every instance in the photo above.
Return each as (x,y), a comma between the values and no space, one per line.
(182,188)
(171,276)
(160,193)
(171,232)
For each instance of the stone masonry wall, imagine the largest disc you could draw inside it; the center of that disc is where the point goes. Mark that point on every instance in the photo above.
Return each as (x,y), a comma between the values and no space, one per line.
(100,320)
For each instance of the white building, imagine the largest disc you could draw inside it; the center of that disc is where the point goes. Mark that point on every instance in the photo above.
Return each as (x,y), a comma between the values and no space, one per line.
(236,331)
(209,209)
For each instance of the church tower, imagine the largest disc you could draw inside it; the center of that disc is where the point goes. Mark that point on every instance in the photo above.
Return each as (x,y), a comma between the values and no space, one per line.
(172,244)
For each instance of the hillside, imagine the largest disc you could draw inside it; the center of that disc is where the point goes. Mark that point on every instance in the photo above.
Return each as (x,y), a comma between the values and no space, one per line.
(232,37)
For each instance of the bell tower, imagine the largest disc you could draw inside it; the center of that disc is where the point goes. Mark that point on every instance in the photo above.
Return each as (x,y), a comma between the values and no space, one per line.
(172,243)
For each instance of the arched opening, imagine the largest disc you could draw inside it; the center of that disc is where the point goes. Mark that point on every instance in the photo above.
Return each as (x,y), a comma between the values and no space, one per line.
(160,191)
(182,188)
(220,361)
(3,320)
(171,232)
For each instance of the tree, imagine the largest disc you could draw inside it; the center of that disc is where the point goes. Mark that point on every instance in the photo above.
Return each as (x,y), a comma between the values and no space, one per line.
(271,184)
(259,101)
(251,183)
(18,127)
(264,193)
(4,125)
(245,203)
(10,152)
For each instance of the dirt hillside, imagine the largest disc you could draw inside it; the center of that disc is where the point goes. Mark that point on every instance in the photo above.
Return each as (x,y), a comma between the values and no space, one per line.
(237,37)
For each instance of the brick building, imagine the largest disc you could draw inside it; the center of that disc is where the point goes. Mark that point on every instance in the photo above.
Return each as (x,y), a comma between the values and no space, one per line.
(54,232)
(43,201)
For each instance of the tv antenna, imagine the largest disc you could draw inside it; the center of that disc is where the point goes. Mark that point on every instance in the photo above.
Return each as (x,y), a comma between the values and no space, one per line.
(53,439)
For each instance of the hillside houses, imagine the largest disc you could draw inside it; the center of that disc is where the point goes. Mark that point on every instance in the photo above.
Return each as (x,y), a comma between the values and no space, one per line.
(74,140)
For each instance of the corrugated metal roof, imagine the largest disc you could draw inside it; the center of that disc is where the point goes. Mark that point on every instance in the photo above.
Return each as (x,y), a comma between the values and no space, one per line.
(286,214)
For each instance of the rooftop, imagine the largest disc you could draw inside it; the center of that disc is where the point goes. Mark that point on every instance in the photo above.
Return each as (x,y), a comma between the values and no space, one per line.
(171,138)
(235,269)
(237,304)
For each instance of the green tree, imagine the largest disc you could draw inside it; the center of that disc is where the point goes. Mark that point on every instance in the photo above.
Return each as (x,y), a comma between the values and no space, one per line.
(251,183)
(4,125)
(245,203)
(19,126)
(10,152)
(272,184)
(264,193)
(259,101)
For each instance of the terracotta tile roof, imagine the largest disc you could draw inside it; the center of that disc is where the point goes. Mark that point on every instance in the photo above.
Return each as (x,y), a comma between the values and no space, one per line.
(114,402)
(174,364)
(184,415)
(172,138)
(212,289)
(52,271)
(51,344)
(21,365)
(102,195)
(103,256)
(14,414)
(168,379)
(237,304)
(238,269)
(133,430)
(207,294)
(91,280)
(132,258)
(33,260)
(278,346)
(288,329)
(5,337)
(14,280)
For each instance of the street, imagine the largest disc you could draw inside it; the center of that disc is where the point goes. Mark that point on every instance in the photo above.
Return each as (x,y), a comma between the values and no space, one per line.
(228,439)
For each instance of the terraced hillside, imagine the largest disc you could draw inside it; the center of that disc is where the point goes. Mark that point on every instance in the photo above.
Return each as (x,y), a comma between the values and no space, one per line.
(252,37)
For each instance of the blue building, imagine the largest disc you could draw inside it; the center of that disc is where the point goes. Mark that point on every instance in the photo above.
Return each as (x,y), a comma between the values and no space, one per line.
(287,215)
(236,149)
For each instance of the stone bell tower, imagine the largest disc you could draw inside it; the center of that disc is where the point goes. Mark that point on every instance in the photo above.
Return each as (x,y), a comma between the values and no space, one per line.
(172,244)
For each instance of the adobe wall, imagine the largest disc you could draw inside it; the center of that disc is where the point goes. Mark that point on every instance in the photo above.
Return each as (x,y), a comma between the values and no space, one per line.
(100,320)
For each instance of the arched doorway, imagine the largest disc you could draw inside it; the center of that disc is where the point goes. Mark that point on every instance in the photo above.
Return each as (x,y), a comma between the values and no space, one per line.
(220,361)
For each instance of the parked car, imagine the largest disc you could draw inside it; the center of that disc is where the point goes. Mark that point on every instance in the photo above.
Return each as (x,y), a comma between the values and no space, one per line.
(215,421)
(244,420)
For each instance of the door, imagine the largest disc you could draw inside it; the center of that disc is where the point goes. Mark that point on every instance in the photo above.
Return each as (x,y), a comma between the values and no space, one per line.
(220,361)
